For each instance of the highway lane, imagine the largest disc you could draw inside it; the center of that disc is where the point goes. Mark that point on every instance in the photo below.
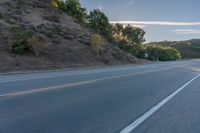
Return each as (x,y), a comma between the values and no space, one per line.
(118,97)
(180,115)
(24,82)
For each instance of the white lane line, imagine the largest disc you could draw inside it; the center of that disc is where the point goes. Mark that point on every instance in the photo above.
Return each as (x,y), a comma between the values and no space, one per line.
(75,84)
(141,119)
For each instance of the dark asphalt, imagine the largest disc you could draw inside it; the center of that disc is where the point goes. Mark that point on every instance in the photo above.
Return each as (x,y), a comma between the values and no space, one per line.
(116,98)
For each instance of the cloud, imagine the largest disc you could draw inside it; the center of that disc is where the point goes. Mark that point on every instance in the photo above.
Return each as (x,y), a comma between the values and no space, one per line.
(186,31)
(165,23)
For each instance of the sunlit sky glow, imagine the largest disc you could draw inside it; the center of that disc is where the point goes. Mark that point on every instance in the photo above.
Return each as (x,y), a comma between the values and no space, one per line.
(161,19)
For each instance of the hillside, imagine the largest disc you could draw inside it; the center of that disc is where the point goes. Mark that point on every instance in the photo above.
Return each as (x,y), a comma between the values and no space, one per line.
(62,42)
(188,49)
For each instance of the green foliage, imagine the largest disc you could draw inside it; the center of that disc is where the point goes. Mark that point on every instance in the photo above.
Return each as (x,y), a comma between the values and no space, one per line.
(128,38)
(134,35)
(162,53)
(155,53)
(20,44)
(73,8)
(188,49)
(99,22)
(25,42)
(139,51)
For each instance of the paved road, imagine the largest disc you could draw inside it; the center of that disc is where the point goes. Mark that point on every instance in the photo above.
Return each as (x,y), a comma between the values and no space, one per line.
(153,98)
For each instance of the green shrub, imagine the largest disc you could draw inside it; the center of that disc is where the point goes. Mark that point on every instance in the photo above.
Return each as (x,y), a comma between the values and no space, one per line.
(139,51)
(20,46)
(169,54)
(20,43)
(73,8)
(162,53)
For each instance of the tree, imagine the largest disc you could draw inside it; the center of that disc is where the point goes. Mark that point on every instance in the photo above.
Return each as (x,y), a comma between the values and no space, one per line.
(162,53)
(134,35)
(98,21)
(128,38)
(73,8)
(117,30)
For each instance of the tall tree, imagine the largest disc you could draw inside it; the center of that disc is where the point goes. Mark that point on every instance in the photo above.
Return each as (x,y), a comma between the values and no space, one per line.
(98,21)
(134,35)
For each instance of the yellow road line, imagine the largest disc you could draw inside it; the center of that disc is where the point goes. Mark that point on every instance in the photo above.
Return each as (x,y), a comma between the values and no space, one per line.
(76,83)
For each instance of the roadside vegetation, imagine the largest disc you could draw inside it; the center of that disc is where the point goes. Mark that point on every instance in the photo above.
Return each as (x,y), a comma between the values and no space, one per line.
(128,38)
(188,49)
(156,53)
(25,41)
(97,43)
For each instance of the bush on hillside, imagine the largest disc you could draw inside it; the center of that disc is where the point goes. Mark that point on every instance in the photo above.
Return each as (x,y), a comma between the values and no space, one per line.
(20,44)
(97,43)
(36,45)
(25,42)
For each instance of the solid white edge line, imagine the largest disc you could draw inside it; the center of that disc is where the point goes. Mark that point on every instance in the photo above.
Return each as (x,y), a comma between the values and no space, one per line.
(141,119)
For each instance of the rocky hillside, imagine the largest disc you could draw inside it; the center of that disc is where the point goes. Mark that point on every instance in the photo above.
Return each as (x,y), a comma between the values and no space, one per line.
(62,42)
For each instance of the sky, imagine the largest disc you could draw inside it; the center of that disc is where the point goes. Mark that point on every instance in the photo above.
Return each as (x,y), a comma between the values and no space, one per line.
(161,19)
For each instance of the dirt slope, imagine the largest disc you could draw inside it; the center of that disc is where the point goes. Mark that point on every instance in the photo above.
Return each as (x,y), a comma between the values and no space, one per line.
(67,43)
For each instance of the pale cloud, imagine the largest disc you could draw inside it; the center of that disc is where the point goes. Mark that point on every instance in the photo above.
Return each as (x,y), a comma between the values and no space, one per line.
(186,31)
(165,23)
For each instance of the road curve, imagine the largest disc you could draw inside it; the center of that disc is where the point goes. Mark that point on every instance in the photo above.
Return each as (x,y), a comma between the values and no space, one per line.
(153,98)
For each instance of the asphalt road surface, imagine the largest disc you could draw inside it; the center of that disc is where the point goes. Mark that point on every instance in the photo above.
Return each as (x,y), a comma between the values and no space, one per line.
(153,98)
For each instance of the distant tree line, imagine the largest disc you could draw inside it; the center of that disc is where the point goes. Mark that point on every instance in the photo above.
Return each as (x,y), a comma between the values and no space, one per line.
(188,48)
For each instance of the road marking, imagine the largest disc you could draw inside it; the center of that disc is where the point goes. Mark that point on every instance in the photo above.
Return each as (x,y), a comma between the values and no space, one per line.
(34,77)
(141,119)
(76,84)
(46,89)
